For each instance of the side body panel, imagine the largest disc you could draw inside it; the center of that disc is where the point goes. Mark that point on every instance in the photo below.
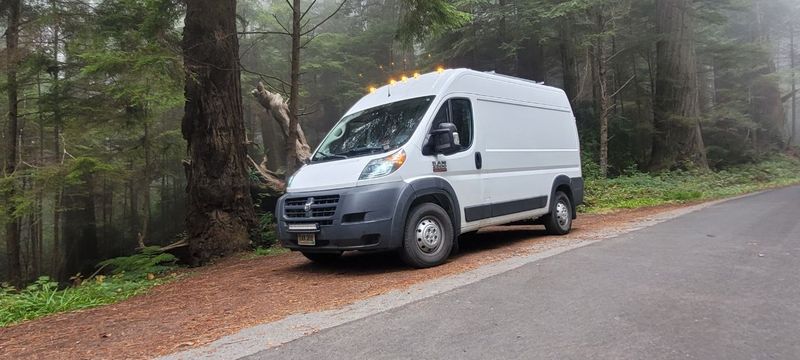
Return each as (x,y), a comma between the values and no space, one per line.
(529,138)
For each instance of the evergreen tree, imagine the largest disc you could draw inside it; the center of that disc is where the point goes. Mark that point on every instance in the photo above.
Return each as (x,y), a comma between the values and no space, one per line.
(220,210)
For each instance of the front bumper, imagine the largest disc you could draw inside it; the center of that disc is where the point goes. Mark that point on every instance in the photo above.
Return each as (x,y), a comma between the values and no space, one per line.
(365,218)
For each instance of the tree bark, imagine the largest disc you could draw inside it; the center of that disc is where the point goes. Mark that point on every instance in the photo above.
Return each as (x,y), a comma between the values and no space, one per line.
(766,104)
(279,109)
(677,137)
(294,97)
(794,86)
(568,63)
(57,256)
(144,233)
(219,206)
(604,98)
(80,227)
(11,226)
(273,140)
(530,61)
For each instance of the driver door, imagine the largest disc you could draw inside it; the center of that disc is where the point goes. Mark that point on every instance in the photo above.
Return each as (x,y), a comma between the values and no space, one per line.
(463,168)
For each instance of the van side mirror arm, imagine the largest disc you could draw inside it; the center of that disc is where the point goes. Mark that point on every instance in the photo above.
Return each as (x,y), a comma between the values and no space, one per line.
(442,140)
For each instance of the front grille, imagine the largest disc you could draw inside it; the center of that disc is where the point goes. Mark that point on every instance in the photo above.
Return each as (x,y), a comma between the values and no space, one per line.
(322,209)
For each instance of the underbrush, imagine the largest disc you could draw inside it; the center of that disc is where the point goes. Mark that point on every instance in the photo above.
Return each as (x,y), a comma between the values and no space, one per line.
(268,251)
(637,189)
(128,276)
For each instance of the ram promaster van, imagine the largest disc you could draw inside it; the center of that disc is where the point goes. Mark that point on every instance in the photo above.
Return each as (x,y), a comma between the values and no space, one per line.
(416,163)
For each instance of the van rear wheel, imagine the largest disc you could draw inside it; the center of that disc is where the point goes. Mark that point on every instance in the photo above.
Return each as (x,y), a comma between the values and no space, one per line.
(559,221)
(428,236)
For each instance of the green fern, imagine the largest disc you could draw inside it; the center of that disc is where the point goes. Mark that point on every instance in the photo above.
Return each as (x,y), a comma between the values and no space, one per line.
(150,260)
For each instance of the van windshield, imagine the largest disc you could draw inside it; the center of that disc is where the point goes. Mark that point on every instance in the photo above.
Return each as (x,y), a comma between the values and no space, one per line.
(379,129)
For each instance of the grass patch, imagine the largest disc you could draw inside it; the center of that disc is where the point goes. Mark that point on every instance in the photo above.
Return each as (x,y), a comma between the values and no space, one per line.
(267,251)
(44,297)
(129,276)
(636,189)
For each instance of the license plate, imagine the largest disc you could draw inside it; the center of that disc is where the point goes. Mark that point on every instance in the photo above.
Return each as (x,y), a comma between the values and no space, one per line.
(306,239)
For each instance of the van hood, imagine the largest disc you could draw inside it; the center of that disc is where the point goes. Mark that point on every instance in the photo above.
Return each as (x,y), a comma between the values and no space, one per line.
(336,174)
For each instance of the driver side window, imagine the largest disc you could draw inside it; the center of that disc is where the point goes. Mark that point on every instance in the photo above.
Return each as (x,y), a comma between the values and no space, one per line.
(457,111)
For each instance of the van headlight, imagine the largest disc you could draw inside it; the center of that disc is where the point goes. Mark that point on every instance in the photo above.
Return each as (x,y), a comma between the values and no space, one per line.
(383,166)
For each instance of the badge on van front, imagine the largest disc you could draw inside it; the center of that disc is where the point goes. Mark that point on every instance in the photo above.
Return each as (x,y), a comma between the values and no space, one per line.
(439,166)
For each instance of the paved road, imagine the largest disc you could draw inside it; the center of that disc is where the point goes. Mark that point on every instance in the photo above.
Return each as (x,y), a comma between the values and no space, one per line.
(720,283)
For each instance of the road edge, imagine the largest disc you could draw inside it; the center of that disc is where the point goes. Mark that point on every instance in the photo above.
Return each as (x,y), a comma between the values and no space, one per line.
(265,336)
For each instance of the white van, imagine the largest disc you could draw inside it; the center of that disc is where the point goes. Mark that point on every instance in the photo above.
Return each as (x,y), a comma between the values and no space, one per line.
(416,163)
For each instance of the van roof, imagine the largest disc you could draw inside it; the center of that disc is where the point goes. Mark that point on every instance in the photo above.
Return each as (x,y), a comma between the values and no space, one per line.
(465,81)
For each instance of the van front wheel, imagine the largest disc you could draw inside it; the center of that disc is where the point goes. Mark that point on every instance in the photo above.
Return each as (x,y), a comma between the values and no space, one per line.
(559,221)
(428,236)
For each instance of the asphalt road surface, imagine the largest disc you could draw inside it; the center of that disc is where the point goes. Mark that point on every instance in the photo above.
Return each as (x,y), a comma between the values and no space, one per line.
(720,283)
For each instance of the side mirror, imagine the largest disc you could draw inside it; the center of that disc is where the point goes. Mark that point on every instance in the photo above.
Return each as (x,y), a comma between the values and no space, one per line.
(444,140)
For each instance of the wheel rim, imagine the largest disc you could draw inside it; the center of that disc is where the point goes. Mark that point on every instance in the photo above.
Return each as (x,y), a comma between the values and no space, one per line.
(562,214)
(429,235)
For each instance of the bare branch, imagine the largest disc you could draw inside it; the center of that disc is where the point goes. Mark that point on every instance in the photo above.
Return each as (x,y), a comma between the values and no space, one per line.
(325,20)
(264,33)
(264,76)
(271,180)
(281,24)
(309,40)
(622,87)
(307,10)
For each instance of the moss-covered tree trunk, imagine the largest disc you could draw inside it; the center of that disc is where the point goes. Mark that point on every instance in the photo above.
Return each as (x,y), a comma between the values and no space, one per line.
(79,231)
(12,224)
(677,137)
(294,96)
(219,207)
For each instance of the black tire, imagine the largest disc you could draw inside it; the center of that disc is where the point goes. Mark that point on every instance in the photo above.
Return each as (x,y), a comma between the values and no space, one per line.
(428,238)
(323,258)
(552,222)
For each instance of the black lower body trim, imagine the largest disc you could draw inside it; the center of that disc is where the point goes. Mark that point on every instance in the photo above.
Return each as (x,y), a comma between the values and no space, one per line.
(481,212)
(577,191)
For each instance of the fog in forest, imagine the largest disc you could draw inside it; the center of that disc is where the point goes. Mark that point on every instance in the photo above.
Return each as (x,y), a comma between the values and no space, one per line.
(98,161)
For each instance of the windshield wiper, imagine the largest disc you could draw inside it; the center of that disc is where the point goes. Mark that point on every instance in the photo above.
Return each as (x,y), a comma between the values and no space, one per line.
(323,156)
(361,150)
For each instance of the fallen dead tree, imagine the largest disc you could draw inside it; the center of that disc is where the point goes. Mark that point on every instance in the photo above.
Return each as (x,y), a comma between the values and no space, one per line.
(277,107)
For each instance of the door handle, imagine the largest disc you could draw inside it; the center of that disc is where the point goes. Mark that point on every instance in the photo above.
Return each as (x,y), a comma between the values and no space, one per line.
(478,160)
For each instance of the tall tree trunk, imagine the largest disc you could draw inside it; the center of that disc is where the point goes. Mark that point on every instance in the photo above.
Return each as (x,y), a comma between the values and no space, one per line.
(503,64)
(530,61)
(677,137)
(272,140)
(11,226)
(55,72)
(40,187)
(57,256)
(80,227)
(294,96)
(794,86)
(145,230)
(279,110)
(568,63)
(603,97)
(767,106)
(219,206)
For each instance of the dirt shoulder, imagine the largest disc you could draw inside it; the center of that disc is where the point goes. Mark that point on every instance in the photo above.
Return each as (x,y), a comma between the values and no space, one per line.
(238,293)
